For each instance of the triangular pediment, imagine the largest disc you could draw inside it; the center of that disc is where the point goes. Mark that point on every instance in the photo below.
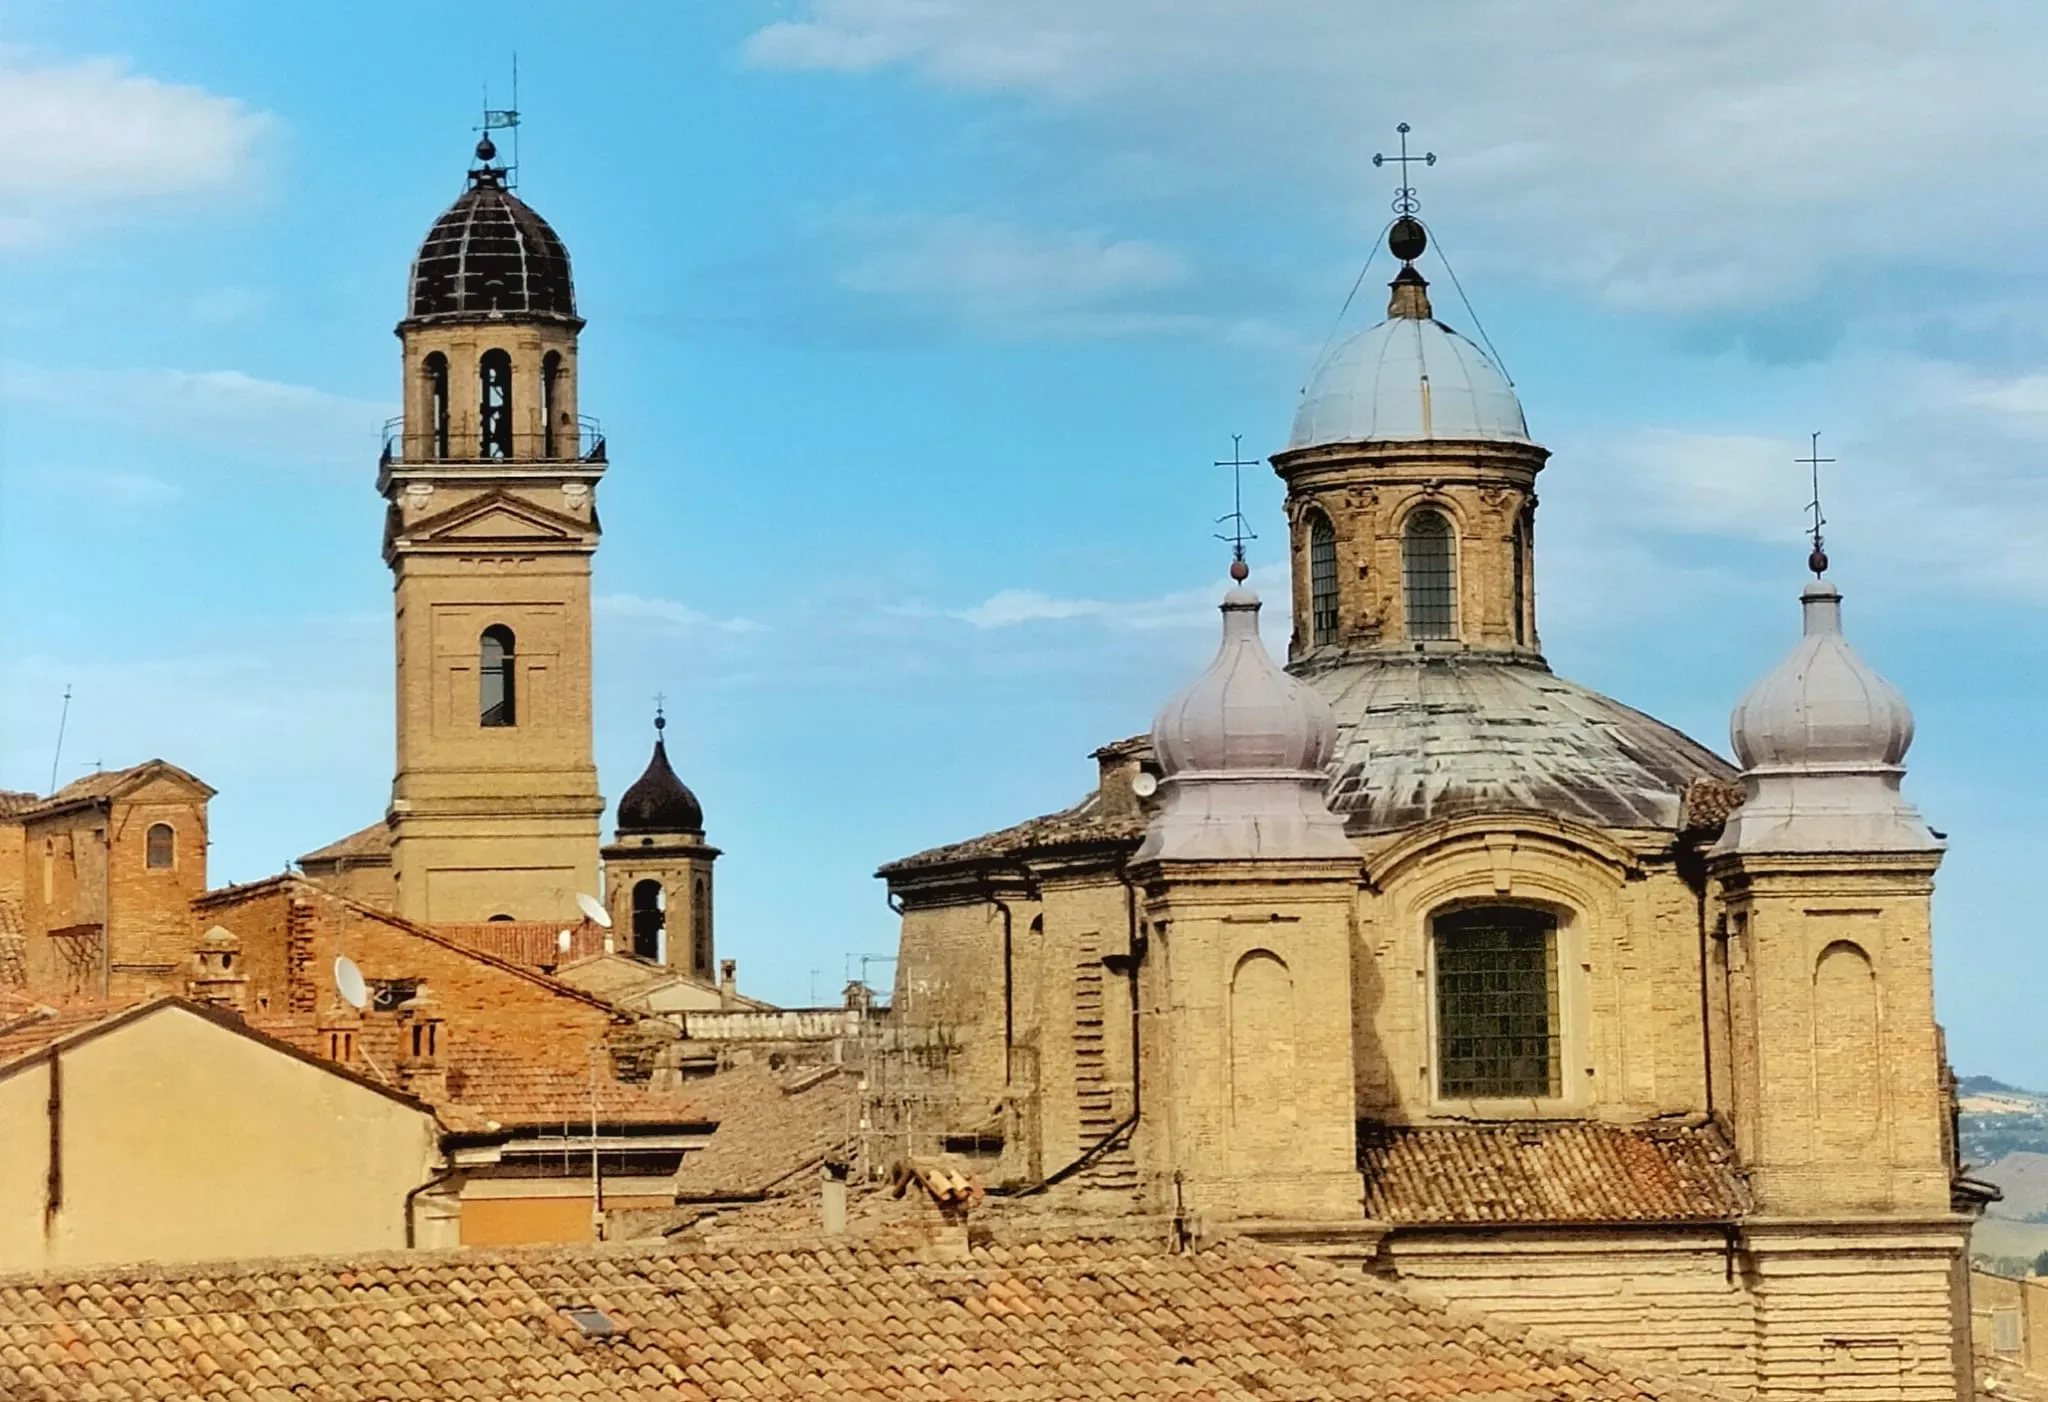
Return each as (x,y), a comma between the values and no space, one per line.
(497,516)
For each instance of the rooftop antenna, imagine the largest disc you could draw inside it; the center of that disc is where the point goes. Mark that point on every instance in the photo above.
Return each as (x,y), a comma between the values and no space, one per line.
(1817,561)
(63,717)
(505,119)
(1240,530)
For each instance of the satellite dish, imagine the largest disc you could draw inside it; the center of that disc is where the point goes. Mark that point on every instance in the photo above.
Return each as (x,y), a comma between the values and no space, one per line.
(348,982)
(563,940)
(1144,783)
(593,912)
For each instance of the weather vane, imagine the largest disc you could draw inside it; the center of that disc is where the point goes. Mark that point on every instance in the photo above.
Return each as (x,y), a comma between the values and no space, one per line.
(501,119)
(1240,530)
(1818,560)
(1404,196)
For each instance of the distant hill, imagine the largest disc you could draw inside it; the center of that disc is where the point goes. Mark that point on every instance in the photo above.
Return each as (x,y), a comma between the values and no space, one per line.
(2005,1141)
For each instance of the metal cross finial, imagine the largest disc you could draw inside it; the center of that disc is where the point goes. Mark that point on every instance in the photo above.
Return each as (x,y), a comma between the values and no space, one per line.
(660,721)
(1818,560)
(1240,530)
(1404,194)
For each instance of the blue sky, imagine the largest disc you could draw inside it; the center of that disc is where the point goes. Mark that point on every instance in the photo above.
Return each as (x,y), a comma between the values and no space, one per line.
(914,330)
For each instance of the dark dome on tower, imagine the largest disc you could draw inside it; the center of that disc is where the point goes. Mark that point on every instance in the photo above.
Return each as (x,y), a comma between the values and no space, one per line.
(491,253)
(659,801)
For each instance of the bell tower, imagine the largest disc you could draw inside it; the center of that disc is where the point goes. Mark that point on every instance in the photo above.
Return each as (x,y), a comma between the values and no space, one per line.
(491,478)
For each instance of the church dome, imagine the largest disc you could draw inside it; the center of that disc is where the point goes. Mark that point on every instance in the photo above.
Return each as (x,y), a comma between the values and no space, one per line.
(1244,713)
(659,802)
(490,253)
(1421,739)
(1407,378)
(1823,707)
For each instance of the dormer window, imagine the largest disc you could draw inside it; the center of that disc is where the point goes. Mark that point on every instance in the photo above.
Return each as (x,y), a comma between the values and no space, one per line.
(1429,576)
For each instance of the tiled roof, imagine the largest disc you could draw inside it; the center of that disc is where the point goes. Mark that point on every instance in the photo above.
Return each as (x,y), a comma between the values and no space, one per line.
(13,801)
(13,948)
(1073,830)
(29,1033)
(770,1129)
(1005,1324)
(372,843)
(105,782)
(1418,1175)
(1708,804)
(536,944)
(491,1085)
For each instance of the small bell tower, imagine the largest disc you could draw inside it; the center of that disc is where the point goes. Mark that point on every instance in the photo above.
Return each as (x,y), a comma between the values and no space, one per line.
(657,871)
(491,482)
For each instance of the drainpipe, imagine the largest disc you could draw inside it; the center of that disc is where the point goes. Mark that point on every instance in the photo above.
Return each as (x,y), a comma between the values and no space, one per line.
(412,1198)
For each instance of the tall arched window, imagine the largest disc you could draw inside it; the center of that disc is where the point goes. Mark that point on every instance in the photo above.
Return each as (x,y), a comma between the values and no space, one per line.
(1521,566)
(1322,579)
(647,919)
(1429,576)
(550,372)
(434,370)
(494,411)
(700,927)
(497,668)
(1498,1033)
(160,846)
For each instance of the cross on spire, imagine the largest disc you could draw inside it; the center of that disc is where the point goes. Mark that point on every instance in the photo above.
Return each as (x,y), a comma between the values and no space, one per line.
(660,720)
(1404,194)
(1818,560)
(1240,530)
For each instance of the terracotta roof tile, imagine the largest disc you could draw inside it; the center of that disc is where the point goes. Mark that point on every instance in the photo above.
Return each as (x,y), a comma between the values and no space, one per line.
(533,943)
(372,842)
(1010,1323)
(13,948)
(770,1129)
(1426,1174)
(1083,826)
(36,1028)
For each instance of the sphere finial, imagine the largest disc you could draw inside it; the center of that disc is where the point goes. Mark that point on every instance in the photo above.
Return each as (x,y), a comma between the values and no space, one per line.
(1239,570)
(486,149)
(1407,238)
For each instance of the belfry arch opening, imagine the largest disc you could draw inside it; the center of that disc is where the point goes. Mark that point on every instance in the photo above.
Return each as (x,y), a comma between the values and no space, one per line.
(498,679)
(1322,579)
(550,402)
(494,407)
(1429,576)
(649,917)
(434,371)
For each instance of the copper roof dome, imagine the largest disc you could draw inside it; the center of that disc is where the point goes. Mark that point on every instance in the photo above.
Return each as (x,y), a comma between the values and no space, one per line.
(491,254)
(659,802)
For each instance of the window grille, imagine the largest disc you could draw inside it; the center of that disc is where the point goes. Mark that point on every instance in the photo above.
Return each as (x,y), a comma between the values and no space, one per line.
(387,993)
(1498,1031)
(494,418)
(160,846)
(1430,576)
(497,669)
(1322,580)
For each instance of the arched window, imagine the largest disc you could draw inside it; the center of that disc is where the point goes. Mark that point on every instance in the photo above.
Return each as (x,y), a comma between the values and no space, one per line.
(435,371)
(1521,566)
(1429,576)
(647,919)
(1498,1033)
(1322,579)
(700,926)
(494,412)
(498,669)
(550,372)
(160,846)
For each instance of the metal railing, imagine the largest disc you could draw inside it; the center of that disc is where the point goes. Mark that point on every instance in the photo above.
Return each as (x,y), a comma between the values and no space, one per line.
(585,445)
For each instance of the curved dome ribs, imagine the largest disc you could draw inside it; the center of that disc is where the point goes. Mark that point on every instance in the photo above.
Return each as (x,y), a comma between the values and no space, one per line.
(490,253)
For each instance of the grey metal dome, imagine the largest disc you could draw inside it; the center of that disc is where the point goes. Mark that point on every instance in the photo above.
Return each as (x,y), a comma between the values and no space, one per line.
(1425,738)
(490,254)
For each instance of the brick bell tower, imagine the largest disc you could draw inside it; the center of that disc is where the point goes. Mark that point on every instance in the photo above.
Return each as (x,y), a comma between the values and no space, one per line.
(491,479)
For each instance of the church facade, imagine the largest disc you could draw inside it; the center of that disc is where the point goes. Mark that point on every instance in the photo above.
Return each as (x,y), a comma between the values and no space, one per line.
(1420,955)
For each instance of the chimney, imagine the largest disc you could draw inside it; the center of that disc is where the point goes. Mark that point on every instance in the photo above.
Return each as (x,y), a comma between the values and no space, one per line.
(216,979)
(339,1027)
(832,1207)
(948,1195)
(728,984)
(423,1048)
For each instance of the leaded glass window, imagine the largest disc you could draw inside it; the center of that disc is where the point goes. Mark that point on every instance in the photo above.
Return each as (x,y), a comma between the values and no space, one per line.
(497,668)
(1429,575)
(1322,579)
(1498,1030)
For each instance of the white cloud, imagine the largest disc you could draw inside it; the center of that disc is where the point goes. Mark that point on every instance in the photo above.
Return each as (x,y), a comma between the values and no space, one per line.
(1183,608)
(668,615)
(82,140)
(237,412)
(1727,153)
